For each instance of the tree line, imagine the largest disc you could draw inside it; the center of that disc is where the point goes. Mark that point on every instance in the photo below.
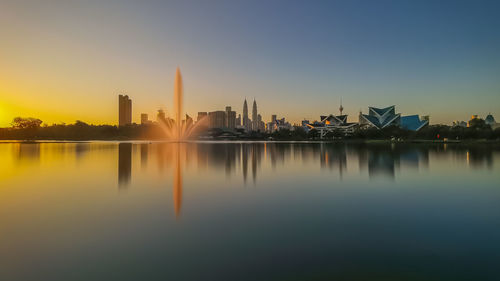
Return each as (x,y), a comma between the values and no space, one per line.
(32,129)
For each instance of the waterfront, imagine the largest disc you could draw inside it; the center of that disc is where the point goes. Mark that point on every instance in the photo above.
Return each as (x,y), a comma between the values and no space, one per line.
(249,211)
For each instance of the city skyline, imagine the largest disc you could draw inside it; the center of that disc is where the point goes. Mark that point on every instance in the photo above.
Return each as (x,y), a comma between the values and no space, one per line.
(63,63)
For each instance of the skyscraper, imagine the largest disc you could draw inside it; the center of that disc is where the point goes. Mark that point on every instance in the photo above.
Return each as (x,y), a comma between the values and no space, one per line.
(160,117)
(124,110)
(189,121)
(255,120)
(217,119)
(238,120)
(261,125)
(230,118)
(246,121)
(144,118)
(201,116)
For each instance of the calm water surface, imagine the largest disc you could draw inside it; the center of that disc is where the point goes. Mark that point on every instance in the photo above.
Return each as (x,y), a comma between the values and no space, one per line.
(248,211)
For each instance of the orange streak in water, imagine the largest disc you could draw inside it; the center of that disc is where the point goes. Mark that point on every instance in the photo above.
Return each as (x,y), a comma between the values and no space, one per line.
(177,192)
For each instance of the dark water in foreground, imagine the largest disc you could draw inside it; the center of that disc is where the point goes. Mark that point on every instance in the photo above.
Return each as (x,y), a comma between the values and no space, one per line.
(248,211)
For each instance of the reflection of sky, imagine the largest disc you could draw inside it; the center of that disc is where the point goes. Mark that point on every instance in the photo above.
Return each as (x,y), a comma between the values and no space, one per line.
(92,207)
(59,60)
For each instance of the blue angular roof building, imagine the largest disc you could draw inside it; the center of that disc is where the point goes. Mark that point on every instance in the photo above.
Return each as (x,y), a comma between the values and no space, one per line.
(385,117)
(413,123)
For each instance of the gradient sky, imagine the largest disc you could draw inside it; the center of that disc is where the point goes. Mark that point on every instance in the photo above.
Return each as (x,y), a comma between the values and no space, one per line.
(65,60)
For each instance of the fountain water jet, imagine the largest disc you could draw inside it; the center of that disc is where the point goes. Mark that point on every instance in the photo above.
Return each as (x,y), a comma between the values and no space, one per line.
(177,130)
(178,101)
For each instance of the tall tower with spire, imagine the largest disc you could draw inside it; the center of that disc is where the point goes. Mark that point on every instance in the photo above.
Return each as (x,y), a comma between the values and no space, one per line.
(341,108)
(255,119)
(246,122)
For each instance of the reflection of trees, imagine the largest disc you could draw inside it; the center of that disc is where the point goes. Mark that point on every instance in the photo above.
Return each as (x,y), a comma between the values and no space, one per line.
(28,151)
(479,157)
(81,149)
(475,156)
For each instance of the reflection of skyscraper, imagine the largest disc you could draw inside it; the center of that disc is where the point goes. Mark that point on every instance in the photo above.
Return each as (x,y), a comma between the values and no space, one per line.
(124,110)
(255,159)
(244,161)
(144,155)
(124,164)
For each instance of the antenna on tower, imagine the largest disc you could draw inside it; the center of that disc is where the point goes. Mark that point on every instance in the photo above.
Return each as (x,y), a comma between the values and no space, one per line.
(341,108)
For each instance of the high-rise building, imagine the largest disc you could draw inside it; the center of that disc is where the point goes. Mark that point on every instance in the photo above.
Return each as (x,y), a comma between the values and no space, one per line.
(144,118)
(124,110)
(255,121)
(305,124)
(261,125)
(238,120)
(246,121)
(201,116)
(160,117)
(230,118)
(189,121)
(217,119)
(270,127)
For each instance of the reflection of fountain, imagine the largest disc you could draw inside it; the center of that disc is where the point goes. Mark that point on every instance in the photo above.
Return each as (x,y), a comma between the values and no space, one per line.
(178,129)
(177,185)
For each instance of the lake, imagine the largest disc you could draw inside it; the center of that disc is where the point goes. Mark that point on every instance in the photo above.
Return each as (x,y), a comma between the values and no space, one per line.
(249,211)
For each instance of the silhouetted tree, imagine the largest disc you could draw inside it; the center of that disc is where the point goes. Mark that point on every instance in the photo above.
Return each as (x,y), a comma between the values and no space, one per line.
(478,123)
(26,123)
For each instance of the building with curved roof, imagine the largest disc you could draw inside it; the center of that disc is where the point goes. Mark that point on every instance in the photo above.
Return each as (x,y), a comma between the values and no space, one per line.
(490,120)
(385,117)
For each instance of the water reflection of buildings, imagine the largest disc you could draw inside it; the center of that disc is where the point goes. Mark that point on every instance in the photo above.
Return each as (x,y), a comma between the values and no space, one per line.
(475,157)
(479,157)
(144,155)
(248,159)
(384,160)
(124,164)
(333,156)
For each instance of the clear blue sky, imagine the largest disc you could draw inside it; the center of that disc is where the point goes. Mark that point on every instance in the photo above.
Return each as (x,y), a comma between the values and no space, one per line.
(297,58)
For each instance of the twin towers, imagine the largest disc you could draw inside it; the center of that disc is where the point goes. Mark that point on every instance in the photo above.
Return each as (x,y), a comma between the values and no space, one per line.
(255,123)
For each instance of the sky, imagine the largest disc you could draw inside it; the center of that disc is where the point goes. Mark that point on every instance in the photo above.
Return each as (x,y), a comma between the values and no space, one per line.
(63,61)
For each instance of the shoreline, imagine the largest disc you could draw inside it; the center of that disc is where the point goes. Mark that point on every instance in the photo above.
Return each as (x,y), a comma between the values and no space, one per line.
(360,141)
